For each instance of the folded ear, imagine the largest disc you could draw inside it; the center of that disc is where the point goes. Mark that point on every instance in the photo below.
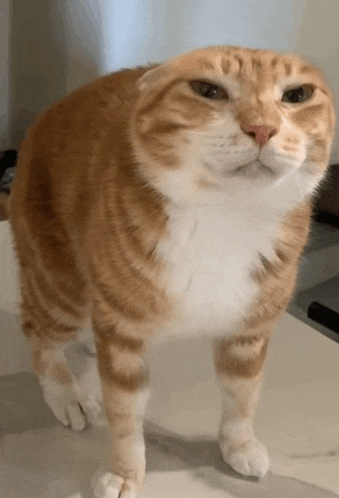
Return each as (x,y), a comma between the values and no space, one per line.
(153,76)
(153,82)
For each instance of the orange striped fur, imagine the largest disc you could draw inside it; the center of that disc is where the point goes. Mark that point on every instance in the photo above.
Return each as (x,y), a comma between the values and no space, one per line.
(169,199)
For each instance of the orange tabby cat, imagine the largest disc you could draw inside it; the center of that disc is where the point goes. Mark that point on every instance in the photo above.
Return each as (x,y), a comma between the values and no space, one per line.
(173,199)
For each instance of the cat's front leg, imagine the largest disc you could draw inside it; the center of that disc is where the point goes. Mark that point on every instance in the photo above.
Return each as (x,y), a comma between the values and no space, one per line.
(124,379)
(239,364)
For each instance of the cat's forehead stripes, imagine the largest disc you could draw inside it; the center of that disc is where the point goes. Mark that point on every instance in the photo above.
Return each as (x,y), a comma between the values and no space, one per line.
(261,67)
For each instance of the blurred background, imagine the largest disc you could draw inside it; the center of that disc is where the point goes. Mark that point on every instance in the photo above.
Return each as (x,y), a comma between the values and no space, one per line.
(49,47)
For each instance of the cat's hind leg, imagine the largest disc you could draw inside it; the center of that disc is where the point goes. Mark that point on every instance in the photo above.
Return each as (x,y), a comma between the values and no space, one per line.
(50,327)
(58,383)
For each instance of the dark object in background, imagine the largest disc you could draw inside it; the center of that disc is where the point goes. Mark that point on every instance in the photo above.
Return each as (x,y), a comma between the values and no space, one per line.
(8,161)
(326,206)
(323,315)
(7,168)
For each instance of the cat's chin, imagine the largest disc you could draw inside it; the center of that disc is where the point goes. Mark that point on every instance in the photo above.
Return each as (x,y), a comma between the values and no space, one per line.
(253,169)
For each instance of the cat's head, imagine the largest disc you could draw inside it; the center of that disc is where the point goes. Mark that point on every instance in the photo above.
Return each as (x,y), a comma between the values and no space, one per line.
(230,119)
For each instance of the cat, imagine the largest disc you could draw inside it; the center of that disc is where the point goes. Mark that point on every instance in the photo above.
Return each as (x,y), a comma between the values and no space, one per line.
(169,199)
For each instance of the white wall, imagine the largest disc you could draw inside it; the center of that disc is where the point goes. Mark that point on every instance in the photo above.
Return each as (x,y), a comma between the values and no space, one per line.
(4,57)
(318,40)
(81,37)
(162,28)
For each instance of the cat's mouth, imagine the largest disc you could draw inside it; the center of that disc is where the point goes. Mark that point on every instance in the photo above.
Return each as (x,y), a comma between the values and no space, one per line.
(253,169)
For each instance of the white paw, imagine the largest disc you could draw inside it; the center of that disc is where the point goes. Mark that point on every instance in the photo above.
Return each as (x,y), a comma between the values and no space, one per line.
(72,406)
(108,485)
(250,460)
(64,403)
(93,409)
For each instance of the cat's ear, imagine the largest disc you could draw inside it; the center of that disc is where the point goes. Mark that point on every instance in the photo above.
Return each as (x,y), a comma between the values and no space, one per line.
(154,77)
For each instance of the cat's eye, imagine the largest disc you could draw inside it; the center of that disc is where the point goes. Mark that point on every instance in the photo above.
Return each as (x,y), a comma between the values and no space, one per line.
(298,95)
(208,90)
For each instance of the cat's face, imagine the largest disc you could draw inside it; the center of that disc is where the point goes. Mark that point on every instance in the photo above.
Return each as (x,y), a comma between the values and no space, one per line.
(233,119)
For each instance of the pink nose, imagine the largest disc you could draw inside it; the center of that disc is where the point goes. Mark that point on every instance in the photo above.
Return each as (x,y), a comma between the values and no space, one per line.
(260,133)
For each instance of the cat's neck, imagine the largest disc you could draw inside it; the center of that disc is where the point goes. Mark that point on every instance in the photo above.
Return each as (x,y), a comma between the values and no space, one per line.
(273,200)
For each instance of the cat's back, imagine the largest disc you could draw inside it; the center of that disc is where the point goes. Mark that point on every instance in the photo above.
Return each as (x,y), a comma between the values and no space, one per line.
(65,152)
(61,171)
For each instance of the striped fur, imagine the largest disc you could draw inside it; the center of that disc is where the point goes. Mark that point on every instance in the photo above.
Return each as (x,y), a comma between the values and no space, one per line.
(151,209)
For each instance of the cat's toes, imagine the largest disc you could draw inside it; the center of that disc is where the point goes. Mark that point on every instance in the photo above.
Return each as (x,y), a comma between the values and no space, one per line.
(249,459)
(109,485)
(64,403)
(69,414)
(93,409)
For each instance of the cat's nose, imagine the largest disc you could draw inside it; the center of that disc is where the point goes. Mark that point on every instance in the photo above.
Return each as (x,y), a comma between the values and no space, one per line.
(260,133)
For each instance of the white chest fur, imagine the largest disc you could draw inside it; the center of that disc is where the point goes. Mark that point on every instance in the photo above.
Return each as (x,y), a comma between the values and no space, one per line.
(210,254)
